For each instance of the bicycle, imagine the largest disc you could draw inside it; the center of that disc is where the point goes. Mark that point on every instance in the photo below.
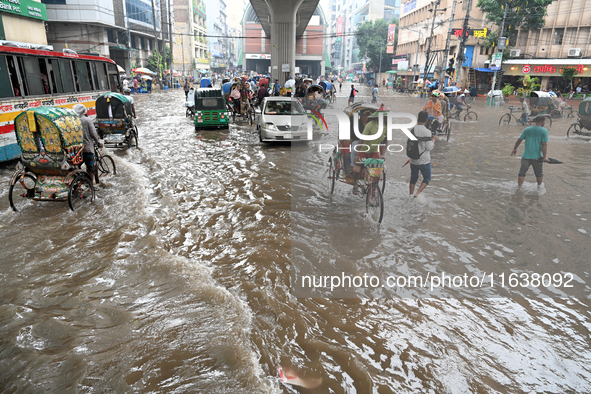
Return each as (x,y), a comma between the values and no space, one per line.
(470,116)
(248,113)
(104,165)
(506,119)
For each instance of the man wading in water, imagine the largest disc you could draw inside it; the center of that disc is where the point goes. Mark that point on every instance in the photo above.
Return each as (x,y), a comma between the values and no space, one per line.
(534,154)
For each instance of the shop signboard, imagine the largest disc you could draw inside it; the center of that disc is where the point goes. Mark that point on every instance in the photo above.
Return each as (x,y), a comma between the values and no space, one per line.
(26,8)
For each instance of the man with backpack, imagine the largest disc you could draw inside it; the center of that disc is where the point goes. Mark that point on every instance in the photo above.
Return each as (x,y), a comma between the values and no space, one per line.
(419,154)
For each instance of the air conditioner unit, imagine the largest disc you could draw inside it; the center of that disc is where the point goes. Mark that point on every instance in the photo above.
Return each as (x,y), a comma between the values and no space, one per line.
(574,52)
(515,52)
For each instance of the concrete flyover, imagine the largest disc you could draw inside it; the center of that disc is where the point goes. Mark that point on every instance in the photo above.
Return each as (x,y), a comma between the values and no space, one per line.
(283,21)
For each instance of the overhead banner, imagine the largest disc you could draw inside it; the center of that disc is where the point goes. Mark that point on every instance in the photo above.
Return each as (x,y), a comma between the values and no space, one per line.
(391,38)
(340,26)
(478,33)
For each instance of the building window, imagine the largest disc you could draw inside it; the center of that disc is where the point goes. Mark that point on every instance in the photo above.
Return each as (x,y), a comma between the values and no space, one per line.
(558,35)
(110,36)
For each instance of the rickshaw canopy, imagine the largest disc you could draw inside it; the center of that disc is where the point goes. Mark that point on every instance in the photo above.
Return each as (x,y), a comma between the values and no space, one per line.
(585,107)
(326,85)
(205,82)
(54,130)
(314,89)
(119,103)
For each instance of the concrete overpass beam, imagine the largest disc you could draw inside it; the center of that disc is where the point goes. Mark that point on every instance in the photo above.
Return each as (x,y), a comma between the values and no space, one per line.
(283,36)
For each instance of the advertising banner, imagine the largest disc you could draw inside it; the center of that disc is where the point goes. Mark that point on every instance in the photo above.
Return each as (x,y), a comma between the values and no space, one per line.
(391,38)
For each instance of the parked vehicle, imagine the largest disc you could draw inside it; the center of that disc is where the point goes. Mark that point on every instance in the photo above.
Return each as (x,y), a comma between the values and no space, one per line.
(114,121)
(582,126)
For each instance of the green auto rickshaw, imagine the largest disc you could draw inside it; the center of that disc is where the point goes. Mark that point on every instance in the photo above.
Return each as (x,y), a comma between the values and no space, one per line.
(210,109)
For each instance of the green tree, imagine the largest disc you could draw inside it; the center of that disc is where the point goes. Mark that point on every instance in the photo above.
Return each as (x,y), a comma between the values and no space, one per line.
(508,90)
(370,36)
(524,14)
(569,73)
(529,85)
(152,62)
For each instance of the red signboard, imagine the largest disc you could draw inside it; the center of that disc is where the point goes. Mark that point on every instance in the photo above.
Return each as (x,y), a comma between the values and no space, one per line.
(340,26)
(548,69)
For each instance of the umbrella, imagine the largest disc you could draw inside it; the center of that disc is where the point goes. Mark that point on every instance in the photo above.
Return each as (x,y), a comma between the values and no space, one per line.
(143,70)
(289,83)
(147,77)
(451,89)
(120,69)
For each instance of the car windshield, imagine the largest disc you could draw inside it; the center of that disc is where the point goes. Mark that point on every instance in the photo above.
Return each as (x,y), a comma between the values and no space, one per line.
(284,108)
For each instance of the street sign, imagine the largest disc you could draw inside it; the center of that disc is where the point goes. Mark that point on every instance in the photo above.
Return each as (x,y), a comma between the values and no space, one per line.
(501,43)
(285,68)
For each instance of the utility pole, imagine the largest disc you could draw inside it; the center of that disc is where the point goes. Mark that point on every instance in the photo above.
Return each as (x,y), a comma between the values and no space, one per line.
(156,38)
(183,51)
(460,57)
(416,65)
(380,67)
(426,72)
(500,38)
(170,35)
(445,54)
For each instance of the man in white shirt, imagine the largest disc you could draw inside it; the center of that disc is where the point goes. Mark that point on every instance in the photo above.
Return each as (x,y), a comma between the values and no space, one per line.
(423,163)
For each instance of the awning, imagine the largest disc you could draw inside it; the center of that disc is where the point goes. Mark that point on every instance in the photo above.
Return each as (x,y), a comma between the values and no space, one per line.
(391,72)
(486,70)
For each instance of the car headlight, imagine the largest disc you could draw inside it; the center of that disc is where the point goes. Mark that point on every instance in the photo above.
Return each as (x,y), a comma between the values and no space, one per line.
(271,126)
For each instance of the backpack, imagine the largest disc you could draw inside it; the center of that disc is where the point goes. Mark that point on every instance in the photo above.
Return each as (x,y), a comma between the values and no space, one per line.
(412,146)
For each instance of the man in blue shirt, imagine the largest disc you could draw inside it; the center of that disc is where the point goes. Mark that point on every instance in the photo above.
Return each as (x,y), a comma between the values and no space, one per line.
(534,154)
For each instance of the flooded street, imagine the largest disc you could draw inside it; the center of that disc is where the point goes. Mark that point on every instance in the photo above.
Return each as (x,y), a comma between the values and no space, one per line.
(184,274)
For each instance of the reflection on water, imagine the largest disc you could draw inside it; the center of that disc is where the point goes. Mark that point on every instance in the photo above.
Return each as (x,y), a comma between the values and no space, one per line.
(179,277)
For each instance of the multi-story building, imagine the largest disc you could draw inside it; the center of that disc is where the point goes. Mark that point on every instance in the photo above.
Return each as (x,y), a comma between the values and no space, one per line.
(190,43)
(22,23)
(311,54)
(217,30)
(345,16)
(126,31)
(565,36)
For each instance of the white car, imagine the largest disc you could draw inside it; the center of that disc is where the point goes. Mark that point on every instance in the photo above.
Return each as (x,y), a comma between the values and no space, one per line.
(283,119)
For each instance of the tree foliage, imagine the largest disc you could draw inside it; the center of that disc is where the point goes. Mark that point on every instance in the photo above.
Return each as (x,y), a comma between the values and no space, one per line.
(152,61)
(370,35)
(569,73)
(524,14)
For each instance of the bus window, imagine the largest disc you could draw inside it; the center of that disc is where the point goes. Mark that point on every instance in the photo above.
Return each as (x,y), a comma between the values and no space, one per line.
(81,71)
(102,77)
(67,79)
(94,80)
(33,75)
(114,81)
(24,82)
(44,75)
(55,76)
(6,79)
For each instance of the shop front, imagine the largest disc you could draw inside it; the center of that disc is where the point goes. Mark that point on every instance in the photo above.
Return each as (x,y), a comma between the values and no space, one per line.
(549,72)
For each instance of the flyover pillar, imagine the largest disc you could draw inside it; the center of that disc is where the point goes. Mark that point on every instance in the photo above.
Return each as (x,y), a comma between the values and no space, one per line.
(283,14)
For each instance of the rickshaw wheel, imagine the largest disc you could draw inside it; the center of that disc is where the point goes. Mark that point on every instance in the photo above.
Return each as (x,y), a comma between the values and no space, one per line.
(574,128)
(448,130)
(106,167)
(132,139)
(548,121)
(80,191)
(374,203)
(250,115)
(330,176)
(18,193)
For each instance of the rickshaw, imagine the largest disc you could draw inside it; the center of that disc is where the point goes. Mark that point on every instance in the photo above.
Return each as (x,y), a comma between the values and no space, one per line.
(584,121)
(372,180)
(314,98)
(542,103)
(114,121)
(329,91)
(210,109)
(51,142)
(205,83)
(246,108)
